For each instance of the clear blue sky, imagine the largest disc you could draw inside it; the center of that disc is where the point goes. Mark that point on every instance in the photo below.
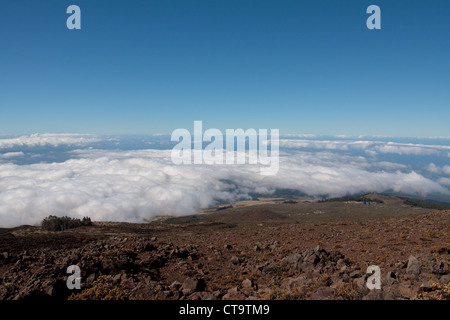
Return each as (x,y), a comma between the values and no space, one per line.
(153,66)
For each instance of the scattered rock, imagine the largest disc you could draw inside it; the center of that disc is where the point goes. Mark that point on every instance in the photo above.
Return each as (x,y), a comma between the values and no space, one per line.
(295,260)
(413,266)
(389,292)
(117,277)
(90,279)
(247,283)
(444,279)
(361,285)
(261,266)
(310,258)
(319,249)
(355,274)
(323,293)
(145,268)
(406,290)
(374,295)
(127,282)
(175,285)
(235,260)
(274,245)
(196,296)
(191,285)
(210,296)
(389,279)
(233,294)
(297,283)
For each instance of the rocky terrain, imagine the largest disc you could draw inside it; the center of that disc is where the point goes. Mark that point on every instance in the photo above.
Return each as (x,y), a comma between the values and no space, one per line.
(280,250)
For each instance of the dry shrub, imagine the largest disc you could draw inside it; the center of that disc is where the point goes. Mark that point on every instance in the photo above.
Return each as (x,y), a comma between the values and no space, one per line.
(436,292)
(100,290)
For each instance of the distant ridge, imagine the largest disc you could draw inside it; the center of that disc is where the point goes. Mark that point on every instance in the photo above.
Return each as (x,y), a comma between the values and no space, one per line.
(368,198)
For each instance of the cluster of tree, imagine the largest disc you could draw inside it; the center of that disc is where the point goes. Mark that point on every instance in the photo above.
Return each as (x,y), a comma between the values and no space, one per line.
(426,204)
(353,198)
(54,223)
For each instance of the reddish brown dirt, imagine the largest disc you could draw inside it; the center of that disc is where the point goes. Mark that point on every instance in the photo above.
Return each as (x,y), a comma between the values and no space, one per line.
(257,252)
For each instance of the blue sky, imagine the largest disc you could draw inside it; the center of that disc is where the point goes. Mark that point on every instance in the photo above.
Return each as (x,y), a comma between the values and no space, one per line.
(140,67)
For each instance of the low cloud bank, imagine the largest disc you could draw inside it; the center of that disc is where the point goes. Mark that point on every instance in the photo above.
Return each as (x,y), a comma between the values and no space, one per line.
(49,139)
(140,184)
(369,147)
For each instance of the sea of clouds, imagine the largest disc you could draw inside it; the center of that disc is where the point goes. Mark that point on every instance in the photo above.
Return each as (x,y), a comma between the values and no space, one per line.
(101,178)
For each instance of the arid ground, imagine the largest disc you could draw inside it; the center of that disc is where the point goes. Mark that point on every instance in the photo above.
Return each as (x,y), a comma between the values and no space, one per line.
(265,249)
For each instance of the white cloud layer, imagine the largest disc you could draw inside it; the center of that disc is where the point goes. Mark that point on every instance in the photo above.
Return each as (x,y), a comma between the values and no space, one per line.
(435,169)
(371,148)
(444,181)
(50,139)
(446,170)
(9,155)
(140,184)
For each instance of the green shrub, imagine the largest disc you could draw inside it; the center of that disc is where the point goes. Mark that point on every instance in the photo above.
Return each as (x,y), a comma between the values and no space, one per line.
(54,223)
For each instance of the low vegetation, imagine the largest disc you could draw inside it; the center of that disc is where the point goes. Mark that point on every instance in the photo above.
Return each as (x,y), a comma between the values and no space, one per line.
(100,290)
(436,292)
(426,204)
(361,198)
(54,223)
